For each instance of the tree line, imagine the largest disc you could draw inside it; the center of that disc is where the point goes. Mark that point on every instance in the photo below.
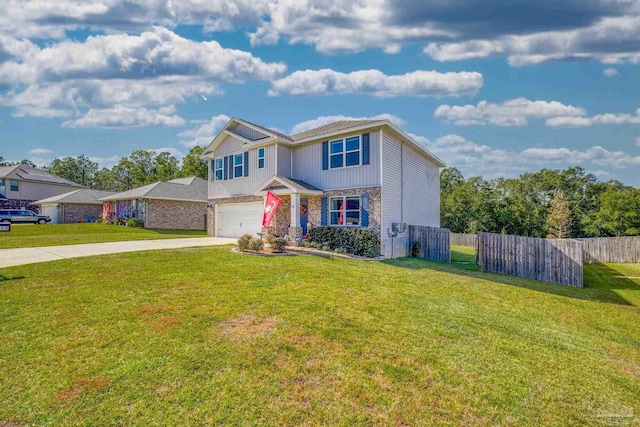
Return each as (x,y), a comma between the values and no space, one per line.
(140,168)
(549,203)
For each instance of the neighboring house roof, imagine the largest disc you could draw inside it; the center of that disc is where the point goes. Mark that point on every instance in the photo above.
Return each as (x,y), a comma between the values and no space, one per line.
(330,128)
(192,189)
(27,173)
(84,196)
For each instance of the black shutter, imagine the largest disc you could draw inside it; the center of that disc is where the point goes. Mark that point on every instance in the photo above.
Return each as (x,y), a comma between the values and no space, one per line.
(213,170)
(365,149)
(323,211)
(230,167)
(325,155)
(246,163)
(364,210)
(225,168)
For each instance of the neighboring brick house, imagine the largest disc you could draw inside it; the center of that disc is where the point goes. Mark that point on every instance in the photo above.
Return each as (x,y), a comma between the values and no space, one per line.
(75,206)
(357,173)
(179,203)
(21,185)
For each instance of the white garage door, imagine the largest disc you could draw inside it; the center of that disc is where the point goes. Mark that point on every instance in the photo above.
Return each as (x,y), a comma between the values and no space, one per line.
(51,211)
(236,219)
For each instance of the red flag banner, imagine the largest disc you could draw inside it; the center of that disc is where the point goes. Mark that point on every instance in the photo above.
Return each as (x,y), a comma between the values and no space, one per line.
(271,203)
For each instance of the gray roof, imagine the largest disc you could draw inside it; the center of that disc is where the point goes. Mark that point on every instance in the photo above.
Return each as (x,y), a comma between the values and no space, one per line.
(275,132)
(299,184)
(31,174)
(188,189)
(331,127)
(84,196)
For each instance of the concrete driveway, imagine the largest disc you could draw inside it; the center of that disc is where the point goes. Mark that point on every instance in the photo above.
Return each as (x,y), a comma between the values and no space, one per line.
(21,256)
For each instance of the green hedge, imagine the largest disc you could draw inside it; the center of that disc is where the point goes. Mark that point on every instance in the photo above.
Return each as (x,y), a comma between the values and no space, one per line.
(357,241)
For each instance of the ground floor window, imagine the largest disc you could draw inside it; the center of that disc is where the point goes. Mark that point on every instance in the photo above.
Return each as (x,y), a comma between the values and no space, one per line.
(344,210)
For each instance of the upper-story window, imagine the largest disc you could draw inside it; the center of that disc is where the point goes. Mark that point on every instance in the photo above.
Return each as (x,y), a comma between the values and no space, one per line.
(344,152)
(218,169)
(261,158)
(15,185)
(1,182)
(238,165)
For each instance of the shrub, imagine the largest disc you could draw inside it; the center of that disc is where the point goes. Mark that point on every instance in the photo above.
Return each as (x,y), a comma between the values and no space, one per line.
(134,222)
(277,244)
(305,244)
(326,248)
(415,249)
(256,245)
(357,241)
(314,245)
(341,251)
(244,241)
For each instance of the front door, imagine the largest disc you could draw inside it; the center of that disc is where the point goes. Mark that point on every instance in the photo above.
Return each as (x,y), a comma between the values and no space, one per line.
(304,214)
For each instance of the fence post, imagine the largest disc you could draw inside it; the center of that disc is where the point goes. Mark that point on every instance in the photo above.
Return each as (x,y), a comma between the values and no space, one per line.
(479,254)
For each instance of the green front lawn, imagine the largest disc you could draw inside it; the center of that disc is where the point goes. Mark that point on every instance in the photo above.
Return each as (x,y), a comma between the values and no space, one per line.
(204,336)
(28,235)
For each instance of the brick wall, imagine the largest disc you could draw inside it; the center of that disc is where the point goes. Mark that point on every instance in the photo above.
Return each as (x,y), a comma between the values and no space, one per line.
(18,204)
(70,213)
(375,204)
(175,214)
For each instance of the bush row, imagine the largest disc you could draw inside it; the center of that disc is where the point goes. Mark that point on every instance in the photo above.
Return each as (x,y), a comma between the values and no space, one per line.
(355,241)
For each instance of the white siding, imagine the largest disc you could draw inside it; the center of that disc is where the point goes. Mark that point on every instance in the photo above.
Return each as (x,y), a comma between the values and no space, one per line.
(307,166)
(410,193)
(284,161)
(245,185)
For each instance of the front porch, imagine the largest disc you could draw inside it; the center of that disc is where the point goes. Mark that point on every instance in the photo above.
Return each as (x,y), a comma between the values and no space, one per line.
(299,211)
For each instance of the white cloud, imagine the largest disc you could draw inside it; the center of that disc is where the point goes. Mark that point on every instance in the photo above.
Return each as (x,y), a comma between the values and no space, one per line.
(515,112)
(203,134)
(476,159)
(376,83)
(126,117)
(610,72)
(106,162)
(325,120)
(40,151)
(600,41)
(173,151)
(598,119)
(156,69)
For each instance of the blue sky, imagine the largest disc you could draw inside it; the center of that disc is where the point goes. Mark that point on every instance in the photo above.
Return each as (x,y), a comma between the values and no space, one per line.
(493,87)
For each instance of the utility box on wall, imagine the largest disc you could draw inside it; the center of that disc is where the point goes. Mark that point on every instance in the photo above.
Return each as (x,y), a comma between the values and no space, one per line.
(398,227)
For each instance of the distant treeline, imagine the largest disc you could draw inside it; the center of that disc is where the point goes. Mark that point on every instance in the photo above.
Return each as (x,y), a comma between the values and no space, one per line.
(138,169)
(548,203)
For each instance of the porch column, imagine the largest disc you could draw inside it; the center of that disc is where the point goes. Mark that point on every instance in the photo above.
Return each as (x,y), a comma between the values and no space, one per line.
(295,210)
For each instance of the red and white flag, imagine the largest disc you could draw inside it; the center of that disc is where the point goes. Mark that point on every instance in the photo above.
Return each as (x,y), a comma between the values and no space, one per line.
(271,204)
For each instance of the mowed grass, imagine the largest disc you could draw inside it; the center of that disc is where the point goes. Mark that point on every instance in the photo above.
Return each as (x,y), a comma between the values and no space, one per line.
(204,336)
(28,235)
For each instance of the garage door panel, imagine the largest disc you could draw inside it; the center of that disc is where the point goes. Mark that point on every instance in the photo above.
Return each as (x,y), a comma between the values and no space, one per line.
(51,211)
(236,219)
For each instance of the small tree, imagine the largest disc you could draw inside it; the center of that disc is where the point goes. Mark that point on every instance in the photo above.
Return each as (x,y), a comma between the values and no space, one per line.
(559,218)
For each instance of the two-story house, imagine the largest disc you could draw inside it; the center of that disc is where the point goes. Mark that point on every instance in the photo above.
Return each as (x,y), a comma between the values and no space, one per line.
(360,173)
(21,185)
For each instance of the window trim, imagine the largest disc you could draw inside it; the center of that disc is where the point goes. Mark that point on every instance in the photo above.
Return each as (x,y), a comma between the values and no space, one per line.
(344,210)
(261,157)
(216,169)
(16,185)
(241,165)
(344,152)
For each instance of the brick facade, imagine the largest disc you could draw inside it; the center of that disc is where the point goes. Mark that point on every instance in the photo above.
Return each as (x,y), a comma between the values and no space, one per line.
(175,214)
(70,213)
(375,203)
(18,204)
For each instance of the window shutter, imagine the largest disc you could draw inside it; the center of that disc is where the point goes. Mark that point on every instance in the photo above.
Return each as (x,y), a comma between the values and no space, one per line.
(230,166)
(246,163)
(365,149)
(213,170)
(225,168)
(323,211)
(364,210)
(325,155)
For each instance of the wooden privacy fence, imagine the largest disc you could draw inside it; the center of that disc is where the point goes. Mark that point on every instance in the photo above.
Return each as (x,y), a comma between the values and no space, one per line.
(434,242)
(463,239)
(611,249)
(555,261)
